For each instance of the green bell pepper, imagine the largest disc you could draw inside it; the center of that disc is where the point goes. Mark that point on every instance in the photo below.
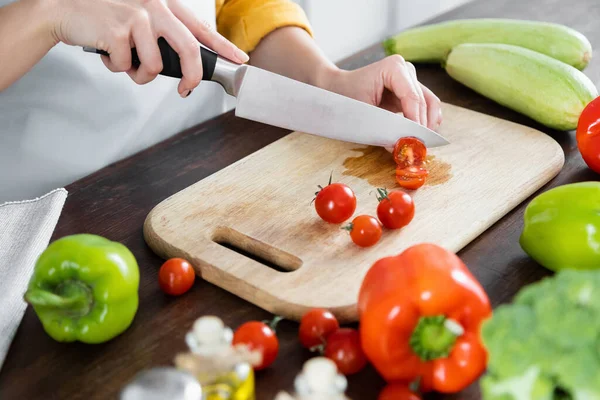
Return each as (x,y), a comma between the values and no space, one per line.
(85,288)
(562,227)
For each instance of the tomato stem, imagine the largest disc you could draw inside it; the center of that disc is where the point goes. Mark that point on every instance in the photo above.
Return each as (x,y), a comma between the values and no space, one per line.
(434,337)
(415,386)
(348,227)
(382,194)
(273,323)
(321,187)
(320,348)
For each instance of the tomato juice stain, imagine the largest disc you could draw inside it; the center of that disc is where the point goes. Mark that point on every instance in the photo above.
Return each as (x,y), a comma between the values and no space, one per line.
(376,165)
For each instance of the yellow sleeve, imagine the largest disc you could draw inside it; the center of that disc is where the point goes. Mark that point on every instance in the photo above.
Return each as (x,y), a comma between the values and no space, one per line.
(247,22)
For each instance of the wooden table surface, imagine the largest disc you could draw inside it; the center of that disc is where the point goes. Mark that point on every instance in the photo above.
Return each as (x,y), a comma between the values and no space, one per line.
(114,202)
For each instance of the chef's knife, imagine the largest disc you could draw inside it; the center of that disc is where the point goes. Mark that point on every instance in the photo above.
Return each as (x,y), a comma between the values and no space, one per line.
(273,99)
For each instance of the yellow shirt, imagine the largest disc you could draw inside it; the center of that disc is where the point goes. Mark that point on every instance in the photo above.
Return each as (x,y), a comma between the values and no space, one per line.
(246,22)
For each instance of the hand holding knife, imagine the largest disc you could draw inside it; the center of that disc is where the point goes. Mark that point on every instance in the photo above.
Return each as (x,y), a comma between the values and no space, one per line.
(273,99)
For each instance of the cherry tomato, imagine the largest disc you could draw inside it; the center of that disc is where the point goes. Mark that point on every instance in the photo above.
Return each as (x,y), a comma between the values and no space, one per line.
(315,326)
(409,151)
(398,391)
(344,348)
(396,209)
(365,230)
(176,276)
(260,337)
(335,203)
(588,135)
(412,177)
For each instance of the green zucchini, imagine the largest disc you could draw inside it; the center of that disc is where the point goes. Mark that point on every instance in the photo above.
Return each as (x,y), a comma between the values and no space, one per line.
(432,43)
(547,90)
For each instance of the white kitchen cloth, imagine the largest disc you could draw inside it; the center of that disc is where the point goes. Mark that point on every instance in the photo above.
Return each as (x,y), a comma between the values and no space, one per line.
(25,231)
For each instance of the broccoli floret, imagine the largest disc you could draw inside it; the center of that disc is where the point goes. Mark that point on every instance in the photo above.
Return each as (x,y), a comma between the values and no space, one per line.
(546,344)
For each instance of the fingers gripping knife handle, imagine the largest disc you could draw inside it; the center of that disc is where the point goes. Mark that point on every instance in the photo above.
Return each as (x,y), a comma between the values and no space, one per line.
(214,67)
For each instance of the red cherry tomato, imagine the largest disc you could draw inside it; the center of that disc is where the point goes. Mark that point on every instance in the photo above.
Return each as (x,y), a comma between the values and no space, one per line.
(409,151)
(335,203)
(588,135)
(396,209)
(260,337)
(365,230)
(398,391)
(412,177)
(344,348)
(176,276)
(315,326)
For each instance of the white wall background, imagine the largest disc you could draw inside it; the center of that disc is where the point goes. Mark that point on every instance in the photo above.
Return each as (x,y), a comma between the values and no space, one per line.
(343,27)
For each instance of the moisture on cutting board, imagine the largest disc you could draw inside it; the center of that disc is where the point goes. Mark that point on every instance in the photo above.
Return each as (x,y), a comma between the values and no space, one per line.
(377,166)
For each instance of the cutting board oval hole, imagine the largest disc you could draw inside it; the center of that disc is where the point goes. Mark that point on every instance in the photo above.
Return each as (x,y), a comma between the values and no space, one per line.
(256,250)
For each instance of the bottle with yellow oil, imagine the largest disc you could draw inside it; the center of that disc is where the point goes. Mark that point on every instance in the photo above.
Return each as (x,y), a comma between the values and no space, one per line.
(224,371)
(319,380)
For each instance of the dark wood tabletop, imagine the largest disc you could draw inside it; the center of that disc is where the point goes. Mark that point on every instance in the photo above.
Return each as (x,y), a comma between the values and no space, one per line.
(115,201)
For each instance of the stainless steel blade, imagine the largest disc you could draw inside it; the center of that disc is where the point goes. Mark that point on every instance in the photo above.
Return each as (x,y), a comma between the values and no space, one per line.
(275,100)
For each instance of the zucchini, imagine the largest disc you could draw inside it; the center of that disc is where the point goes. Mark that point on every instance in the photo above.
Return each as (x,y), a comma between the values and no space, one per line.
(547,90)
(432,43)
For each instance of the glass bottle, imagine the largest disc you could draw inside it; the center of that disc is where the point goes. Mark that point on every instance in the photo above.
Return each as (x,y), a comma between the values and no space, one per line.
(225,372)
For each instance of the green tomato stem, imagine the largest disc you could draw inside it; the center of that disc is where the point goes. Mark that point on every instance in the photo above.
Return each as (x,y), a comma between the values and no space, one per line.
(348,227)
(382,194)
(72,298)
(434,337)
(274,322)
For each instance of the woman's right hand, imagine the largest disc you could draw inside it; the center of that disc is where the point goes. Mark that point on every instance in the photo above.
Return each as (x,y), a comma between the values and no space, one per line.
(116,26)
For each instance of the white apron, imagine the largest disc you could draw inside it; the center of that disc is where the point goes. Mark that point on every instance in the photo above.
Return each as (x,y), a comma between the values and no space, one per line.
(70,116)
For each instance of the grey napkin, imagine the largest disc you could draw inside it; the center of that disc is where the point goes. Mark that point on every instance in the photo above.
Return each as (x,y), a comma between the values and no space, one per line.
(25,231)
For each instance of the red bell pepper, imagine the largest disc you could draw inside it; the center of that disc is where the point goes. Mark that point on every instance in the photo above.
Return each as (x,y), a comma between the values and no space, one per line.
(588,135)
(420,316)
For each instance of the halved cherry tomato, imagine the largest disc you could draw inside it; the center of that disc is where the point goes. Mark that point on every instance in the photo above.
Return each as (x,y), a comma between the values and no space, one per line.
(412,177)
(409,151)
(396,209)
(176,276)
(335,203)
(344,348)
(315,326)
(588,135)
(365,230)
(261,337)
(398,391)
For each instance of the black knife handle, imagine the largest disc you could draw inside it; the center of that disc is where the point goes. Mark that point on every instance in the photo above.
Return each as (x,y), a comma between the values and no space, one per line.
(171,63)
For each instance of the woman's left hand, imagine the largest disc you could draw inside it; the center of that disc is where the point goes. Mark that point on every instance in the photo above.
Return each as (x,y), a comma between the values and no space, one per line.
(390,84)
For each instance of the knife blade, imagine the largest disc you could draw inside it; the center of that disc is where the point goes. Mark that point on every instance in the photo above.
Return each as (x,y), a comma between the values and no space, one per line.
(273,99)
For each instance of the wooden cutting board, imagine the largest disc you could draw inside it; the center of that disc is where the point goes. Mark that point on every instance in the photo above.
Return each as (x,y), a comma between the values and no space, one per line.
(261,206)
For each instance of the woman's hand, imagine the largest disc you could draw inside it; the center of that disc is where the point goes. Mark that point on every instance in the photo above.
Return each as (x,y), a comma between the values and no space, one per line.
(390,84)
(116,26)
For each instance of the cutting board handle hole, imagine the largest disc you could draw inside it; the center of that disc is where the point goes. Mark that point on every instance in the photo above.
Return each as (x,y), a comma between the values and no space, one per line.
(256,250)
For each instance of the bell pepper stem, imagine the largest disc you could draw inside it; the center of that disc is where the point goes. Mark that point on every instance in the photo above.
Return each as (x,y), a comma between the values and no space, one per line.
(434,337)
(73,298)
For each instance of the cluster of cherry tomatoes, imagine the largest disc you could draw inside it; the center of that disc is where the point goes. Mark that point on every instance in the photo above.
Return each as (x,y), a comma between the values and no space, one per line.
(336,202)
(319,331)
